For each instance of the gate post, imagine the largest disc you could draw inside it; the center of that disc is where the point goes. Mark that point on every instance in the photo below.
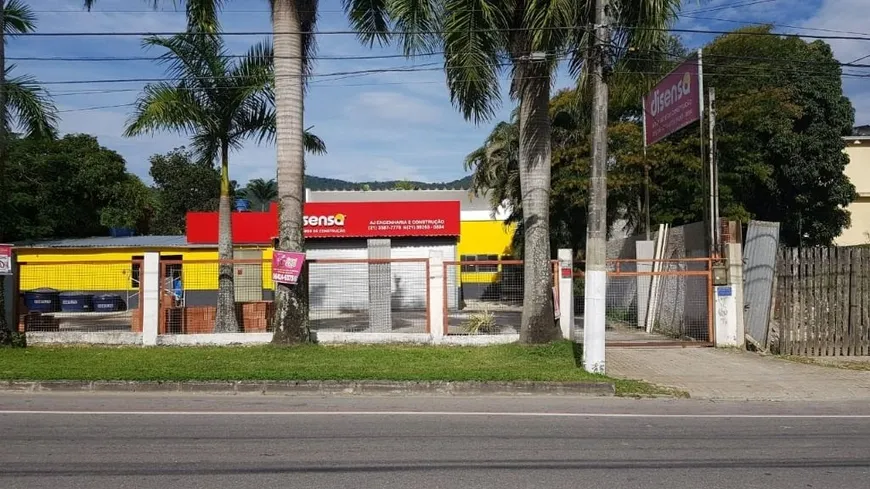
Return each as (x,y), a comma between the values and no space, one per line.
(436,295)
(566,292)
(150,298)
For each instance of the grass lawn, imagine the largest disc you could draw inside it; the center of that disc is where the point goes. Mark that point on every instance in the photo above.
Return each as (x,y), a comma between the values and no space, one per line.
(848,363)
(553,362)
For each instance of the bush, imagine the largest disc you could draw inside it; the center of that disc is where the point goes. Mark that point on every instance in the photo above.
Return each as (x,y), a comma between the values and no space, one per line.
(12,339)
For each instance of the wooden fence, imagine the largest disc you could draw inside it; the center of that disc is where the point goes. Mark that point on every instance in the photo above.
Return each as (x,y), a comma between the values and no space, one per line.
(822,302)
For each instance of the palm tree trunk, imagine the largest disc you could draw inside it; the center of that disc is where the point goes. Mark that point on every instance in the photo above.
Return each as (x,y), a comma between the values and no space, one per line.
(290,320)
(3,323)
(225,319)
(538,322)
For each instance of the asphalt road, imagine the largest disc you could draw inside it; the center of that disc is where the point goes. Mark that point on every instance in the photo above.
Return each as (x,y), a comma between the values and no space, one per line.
(173,441)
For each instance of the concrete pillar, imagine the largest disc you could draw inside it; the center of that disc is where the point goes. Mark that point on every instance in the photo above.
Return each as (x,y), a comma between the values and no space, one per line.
(725,316)
(734,254)
(436,294)
(150,300)
(644,250)
(11,283)
(566,293)
(380,287)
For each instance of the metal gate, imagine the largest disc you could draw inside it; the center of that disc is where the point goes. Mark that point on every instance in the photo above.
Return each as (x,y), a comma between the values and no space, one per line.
(654,302)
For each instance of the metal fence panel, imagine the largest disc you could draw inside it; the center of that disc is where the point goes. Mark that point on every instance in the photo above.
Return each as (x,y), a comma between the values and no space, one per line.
(762,241)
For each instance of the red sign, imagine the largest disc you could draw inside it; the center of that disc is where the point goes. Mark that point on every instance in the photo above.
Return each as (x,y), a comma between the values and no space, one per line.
(674,103)
(286,266)
(5,259)
(336,220)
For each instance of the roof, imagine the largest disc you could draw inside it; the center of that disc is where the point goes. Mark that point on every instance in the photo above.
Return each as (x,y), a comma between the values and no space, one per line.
(468,201)
(178,241)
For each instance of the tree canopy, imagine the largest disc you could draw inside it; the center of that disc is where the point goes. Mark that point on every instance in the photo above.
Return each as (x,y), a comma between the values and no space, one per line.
(182,183)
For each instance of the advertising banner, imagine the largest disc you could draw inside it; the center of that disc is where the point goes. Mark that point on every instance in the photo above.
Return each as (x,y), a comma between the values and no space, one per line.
(674,103)
(5,259)
(286,266)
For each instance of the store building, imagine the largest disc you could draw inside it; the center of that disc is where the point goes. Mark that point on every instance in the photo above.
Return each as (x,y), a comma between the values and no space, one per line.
(339,225)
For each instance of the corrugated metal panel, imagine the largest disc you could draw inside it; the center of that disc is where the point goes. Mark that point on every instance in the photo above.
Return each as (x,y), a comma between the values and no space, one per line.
(110,242)
(759,263)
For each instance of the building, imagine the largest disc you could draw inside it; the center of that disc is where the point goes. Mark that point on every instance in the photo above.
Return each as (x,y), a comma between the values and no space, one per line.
(858,171)
(339,225)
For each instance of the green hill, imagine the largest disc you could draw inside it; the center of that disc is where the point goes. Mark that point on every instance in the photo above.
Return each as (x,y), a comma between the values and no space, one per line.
(321,183)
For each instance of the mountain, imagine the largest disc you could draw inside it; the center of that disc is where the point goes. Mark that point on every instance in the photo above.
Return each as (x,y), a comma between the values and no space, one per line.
(320,183)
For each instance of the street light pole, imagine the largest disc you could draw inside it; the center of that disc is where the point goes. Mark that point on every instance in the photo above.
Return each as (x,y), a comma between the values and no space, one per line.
(596,226)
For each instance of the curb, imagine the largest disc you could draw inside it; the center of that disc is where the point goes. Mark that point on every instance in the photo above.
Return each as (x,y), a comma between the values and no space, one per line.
(325,388)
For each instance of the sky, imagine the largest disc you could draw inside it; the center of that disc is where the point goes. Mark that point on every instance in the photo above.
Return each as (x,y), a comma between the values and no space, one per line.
(380,126)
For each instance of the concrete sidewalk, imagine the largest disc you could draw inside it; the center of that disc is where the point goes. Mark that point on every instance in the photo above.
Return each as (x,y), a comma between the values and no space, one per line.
(709,373)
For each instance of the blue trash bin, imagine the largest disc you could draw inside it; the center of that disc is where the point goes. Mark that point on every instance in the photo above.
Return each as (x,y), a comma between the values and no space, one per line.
(42,300)
(75,302)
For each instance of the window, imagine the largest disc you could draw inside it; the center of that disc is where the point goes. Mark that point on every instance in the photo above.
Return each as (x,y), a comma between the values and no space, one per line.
(489,268)
(467,258)
(135,272)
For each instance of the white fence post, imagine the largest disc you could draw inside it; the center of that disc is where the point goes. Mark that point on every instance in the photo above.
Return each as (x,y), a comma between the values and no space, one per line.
(150,298)
(566,293)
(436,295)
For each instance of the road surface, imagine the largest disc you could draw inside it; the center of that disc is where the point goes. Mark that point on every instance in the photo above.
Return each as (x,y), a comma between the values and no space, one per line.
(173,441)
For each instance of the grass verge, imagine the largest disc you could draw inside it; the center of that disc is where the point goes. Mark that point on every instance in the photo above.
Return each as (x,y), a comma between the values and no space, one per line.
(833,362)
(556,362)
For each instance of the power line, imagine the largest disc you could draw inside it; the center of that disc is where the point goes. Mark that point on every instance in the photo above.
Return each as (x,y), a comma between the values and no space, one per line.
(775,24)
(89,59)
(388,33)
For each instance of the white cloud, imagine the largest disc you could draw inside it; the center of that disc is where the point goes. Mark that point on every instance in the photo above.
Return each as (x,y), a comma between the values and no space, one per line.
(394,106)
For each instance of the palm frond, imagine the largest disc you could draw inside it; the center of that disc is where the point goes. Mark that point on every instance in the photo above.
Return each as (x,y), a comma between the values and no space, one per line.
(30,106)
(202,15)
(198,60)
(165,106)
(472,45)
(255,118)
(18,18)
(254,71)
(312,143)
(416,23)
(308,14)
(370,19)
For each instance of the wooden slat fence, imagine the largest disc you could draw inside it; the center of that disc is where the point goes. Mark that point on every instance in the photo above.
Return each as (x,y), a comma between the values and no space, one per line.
(822,304)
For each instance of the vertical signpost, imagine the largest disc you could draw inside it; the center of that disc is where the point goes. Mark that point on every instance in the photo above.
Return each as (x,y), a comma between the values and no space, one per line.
(674,103)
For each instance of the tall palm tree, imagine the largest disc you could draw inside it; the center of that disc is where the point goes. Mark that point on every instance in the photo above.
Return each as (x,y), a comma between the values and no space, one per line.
(528,37)
(293,22)
(261,191)
(29,105)
(219,103)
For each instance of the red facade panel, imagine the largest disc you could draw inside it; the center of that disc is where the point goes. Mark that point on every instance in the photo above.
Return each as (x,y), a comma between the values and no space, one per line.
(336,220)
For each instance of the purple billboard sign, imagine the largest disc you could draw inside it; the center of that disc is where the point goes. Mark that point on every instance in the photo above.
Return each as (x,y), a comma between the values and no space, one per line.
(674,103)
(286,266)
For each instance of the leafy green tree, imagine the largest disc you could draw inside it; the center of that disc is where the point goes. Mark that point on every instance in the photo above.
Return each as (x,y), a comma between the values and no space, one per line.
(404,185)
(131,206)
(182,183)
(781,116)
(60,188)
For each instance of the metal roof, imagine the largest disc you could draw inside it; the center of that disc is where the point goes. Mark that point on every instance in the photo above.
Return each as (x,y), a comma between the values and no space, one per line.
(468,201)
(110,242)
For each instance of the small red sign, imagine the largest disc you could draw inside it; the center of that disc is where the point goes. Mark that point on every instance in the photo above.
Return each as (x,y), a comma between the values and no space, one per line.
(5,259)
(286,266)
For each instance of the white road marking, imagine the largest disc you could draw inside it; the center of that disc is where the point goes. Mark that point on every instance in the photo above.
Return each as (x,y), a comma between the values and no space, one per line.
(436,414)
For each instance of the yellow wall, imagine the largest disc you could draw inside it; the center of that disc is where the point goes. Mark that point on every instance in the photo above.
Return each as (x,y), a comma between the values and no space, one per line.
(484,238)
(858,171)
(93,271)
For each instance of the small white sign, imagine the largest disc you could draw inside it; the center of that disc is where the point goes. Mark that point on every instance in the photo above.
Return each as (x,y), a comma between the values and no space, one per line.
(5,259)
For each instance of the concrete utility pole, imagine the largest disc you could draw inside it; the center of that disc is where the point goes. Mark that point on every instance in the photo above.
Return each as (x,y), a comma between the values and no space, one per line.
(596,226)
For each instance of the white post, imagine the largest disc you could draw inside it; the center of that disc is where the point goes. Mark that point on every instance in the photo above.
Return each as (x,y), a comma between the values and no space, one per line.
(566,293)
(725,318)
(150,298)
(734,253)
(436,295)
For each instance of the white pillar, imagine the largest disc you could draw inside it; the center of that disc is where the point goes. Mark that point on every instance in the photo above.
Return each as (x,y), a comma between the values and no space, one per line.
(725,316)
(734,254)
(594,321)
(644,250)
(150,299)
(436,295)
(566,293)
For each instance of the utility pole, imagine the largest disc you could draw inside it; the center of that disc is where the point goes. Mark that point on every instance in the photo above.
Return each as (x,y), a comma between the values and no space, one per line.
(714,175)
(596,226)
(3,322)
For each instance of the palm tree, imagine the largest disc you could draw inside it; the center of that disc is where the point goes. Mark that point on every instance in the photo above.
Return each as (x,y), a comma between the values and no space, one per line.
(293,22)
(529,37)
(261,191)
(29,105)
(220,103)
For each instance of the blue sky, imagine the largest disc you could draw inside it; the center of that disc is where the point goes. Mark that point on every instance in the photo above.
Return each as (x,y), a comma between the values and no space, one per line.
(377,127)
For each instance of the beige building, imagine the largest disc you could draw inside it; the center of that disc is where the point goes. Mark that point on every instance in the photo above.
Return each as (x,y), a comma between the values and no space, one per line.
(858,171)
